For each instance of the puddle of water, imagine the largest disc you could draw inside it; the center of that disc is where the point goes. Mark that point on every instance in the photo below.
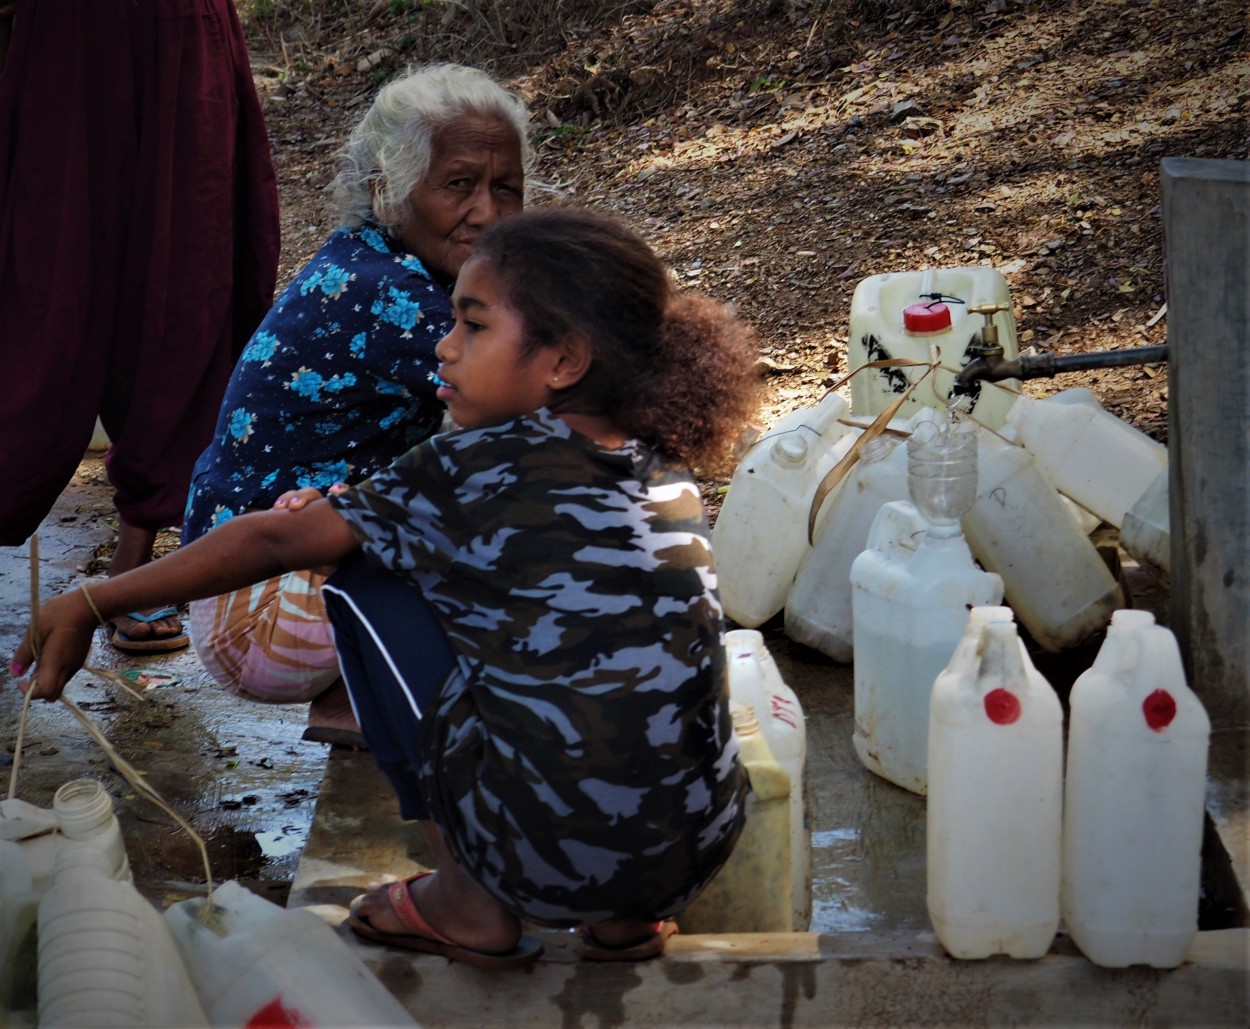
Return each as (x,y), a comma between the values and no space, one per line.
(849,894)
(280,843)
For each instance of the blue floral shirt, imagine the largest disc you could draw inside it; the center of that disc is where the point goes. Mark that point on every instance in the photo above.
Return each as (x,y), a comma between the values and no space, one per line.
(334,385)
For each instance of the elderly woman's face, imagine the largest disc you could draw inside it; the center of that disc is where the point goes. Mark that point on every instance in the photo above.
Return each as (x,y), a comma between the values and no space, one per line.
(475,178)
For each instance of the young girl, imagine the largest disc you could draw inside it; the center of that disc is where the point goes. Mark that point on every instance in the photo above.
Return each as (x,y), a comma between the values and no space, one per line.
(524,608)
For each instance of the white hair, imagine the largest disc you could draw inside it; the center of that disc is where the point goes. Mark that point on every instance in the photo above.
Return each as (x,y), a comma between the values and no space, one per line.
(389,150)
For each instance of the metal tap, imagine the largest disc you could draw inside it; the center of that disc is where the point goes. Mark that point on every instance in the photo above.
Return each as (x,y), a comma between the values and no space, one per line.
(988,364)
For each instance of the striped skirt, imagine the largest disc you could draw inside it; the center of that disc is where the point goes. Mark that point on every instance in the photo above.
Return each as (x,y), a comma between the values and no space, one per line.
(271,642)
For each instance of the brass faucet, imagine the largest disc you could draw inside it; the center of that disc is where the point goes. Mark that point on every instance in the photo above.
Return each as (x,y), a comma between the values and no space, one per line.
(986,363)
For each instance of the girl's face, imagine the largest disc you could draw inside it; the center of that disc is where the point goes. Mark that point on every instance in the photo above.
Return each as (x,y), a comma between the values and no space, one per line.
(485,378)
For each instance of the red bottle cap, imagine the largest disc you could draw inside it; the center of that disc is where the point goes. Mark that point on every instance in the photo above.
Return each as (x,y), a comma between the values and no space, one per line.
(930,317)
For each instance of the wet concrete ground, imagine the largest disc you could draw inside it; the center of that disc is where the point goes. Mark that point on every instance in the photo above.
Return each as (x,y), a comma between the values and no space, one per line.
(238,772)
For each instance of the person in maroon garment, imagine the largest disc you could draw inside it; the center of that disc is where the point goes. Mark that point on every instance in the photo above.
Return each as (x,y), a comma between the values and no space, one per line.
(138,251)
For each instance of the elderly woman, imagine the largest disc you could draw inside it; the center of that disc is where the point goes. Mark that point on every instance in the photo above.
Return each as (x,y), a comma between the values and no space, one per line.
(338,380)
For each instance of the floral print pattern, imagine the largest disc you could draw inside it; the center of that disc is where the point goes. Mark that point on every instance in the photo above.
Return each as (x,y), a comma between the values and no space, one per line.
(333,386)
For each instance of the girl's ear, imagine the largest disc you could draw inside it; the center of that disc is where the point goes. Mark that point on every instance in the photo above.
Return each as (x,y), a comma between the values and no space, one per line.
(573,358)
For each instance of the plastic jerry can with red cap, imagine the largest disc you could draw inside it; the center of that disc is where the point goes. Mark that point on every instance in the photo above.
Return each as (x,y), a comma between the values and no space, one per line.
(256,964)
(1134,803)
(906,315)
(994,812)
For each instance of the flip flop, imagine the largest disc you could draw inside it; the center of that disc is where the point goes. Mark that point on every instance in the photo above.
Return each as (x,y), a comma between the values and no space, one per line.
(591,949)
(149,644)
(348,739)
(427,940)
(331,720)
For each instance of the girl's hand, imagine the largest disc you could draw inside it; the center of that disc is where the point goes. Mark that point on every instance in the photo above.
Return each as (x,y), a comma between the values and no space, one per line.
(66,625)
(294,499)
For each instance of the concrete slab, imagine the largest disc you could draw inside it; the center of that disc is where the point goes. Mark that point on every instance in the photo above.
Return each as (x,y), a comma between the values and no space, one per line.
(872,959)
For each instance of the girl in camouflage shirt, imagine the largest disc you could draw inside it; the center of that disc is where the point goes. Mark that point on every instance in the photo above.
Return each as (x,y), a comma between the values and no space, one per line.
(525,608)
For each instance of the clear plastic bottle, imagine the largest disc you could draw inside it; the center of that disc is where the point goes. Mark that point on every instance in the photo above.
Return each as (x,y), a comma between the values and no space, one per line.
(994,810)
(760,535)
(106,957)
(755,679)
(1135,800)
(751,893)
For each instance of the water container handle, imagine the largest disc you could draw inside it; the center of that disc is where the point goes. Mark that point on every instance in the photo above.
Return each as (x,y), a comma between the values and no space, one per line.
(19,820)
(827,413)
(897,527)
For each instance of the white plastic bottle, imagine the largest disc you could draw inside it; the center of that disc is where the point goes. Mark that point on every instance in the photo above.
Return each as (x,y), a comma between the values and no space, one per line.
(30,839)
(911,593)
(755,680)
(818,608)
(1053,576)
(106,957)
(751,893)
(82,811)
(994,810)
(1097,459)
(254,963)
(760,535)
(1135,800)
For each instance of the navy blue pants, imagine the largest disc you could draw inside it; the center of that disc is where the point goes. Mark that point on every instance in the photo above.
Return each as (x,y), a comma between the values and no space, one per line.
(394,657)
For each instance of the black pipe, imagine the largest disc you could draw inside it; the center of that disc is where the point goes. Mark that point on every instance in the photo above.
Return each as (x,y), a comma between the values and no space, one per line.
(990,366)
(1038,366)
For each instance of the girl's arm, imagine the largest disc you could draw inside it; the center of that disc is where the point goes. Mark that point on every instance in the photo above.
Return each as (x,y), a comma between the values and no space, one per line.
(247,549)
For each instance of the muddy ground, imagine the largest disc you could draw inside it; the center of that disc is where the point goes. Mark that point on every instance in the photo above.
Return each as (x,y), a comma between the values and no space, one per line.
(236,771)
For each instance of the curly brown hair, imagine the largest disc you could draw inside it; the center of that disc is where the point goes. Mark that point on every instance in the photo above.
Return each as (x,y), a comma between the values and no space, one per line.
(676,370)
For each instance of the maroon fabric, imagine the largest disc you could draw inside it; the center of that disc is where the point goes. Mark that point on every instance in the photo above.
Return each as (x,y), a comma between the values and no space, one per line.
(138,244)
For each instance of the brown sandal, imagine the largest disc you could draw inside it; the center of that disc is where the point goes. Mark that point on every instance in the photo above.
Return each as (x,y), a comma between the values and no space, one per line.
(591,949)
(428,940)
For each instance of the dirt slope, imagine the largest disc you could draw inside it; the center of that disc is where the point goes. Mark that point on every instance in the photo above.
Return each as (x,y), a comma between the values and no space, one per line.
(777,153)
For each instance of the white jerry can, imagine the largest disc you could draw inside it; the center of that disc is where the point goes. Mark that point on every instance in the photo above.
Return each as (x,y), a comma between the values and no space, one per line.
(905,314)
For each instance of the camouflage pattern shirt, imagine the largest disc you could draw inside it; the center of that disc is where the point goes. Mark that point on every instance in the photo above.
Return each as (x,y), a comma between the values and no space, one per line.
(581,761)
